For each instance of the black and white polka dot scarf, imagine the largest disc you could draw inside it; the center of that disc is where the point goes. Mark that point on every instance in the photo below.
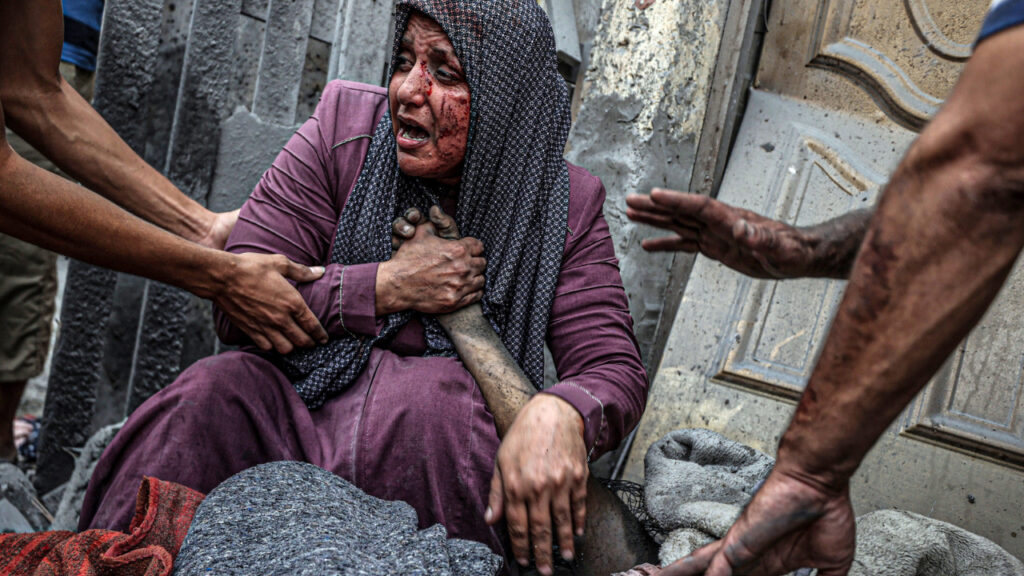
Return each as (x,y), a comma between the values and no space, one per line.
(514,194)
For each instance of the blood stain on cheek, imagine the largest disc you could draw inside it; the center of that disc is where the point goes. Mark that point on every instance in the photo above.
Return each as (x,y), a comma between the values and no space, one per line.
(454,122)
(426,76)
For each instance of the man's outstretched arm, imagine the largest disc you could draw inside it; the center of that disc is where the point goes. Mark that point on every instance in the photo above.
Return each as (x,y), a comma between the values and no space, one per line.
(748,242)
(45,209)
(945,236)
(51,116)
(51,212)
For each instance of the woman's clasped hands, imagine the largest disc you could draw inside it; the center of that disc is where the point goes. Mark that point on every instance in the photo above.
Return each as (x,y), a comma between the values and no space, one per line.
(428,272)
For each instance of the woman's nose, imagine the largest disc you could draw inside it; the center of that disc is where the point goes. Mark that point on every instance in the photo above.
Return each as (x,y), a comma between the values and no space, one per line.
(415,86)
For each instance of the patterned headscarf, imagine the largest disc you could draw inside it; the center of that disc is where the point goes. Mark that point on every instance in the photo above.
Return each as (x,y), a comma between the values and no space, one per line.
(514,193)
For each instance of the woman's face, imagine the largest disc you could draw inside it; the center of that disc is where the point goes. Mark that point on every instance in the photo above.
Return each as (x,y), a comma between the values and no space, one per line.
(429,100)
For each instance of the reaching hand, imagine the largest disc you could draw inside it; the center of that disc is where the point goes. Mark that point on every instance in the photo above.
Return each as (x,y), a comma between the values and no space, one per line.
(220,229)
(431,271)
(740,239)
(789,524)
(266,307)
(540,480)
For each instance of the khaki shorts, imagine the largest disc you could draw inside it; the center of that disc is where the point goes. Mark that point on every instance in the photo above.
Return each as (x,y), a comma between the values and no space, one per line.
(28,285)
(28,275)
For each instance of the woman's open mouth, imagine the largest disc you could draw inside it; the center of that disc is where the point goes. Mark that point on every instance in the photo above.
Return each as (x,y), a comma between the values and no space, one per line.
(411,135)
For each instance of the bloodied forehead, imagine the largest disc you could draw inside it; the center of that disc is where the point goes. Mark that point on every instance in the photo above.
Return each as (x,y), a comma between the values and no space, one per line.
(423,29)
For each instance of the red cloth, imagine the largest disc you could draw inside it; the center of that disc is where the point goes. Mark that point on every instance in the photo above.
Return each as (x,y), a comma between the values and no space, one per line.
(163,512)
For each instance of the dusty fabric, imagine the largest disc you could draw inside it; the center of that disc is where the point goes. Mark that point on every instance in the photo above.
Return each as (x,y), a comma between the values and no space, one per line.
(297,519)
(901,543)
(698,482)
(519,123)
(70,508)
(163,513)
(694,465)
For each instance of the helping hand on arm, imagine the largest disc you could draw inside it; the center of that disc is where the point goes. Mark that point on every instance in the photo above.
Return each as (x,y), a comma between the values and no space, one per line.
(45,209)
(745,241)
(946,234)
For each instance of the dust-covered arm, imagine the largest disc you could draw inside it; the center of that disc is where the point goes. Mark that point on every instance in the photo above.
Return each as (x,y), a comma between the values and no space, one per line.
(748,242)
(615,540)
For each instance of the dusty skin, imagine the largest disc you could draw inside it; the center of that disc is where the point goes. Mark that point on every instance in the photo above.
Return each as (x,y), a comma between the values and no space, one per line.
(612,539)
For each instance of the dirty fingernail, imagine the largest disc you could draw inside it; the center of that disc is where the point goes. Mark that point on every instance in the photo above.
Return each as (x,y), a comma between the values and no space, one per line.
(567,555)
(488,514)
(579,531)
(523,561)
(545,570)
(318,270)
(406,229)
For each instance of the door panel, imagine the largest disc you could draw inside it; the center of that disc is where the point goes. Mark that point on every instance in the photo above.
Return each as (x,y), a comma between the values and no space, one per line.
(842,89)
(899,59)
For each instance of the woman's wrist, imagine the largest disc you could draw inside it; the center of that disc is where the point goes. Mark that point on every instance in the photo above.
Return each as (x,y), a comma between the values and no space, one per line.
(386,294)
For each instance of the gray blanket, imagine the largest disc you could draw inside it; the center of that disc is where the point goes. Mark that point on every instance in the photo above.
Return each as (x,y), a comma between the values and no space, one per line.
(297,519)
(698,481)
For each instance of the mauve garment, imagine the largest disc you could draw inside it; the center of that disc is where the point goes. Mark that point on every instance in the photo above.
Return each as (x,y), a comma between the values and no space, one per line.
(411,428)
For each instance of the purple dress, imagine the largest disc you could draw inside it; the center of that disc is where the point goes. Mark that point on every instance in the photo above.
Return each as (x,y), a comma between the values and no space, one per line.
(410,428)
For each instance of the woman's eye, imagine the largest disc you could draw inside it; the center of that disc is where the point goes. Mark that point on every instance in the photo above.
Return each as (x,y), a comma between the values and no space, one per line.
(447,75)
(403,62)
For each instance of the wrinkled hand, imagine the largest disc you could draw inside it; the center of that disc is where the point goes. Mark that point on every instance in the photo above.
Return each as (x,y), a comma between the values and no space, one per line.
(428,272)
(740,239)
(540,481)
(220,229)
(266,307)
(789,524)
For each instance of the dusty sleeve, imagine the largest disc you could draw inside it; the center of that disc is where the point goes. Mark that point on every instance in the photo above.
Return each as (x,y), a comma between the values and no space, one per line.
(295,209)
(590,334)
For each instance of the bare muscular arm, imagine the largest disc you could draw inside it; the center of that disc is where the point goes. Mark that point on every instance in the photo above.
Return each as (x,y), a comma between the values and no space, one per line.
(44,110)
(946,234)
(47,210)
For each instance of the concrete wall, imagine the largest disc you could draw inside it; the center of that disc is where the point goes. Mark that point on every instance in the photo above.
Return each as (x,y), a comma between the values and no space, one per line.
(643,106)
